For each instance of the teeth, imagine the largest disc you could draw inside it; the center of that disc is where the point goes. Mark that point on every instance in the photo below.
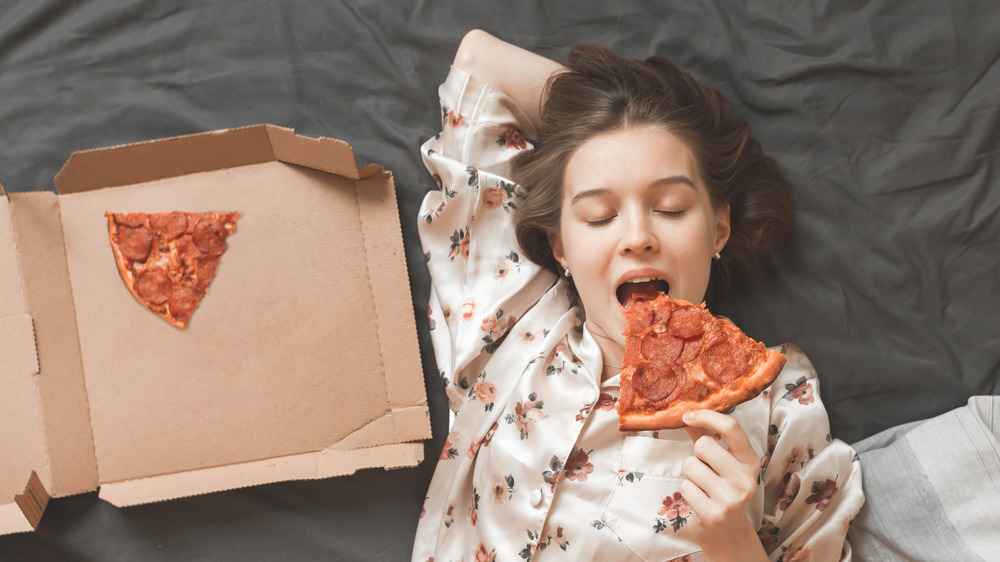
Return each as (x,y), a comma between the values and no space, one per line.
(641,280)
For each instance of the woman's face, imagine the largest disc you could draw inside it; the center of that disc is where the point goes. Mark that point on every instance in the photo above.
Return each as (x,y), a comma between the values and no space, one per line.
(636,216)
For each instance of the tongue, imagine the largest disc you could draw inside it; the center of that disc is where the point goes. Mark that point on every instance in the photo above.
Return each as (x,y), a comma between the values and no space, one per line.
(629,292)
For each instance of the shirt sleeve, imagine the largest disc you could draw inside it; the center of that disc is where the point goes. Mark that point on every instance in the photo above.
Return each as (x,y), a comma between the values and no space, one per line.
(480,281)
(812,481)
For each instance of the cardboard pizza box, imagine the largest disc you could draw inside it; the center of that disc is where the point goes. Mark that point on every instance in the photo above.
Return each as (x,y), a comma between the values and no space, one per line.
(301,361)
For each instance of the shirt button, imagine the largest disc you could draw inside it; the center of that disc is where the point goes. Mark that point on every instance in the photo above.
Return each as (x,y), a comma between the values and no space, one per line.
(536,497)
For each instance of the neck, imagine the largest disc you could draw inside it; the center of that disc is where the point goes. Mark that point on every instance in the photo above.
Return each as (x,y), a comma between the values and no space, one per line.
(612,353)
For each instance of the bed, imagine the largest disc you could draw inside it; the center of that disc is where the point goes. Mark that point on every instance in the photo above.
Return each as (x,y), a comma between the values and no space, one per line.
(885,115)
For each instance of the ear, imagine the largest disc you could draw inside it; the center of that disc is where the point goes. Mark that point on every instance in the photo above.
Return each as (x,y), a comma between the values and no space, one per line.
(555,241)
(722,228)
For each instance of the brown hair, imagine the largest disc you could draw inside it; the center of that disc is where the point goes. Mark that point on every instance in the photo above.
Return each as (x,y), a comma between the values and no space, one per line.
(602,92)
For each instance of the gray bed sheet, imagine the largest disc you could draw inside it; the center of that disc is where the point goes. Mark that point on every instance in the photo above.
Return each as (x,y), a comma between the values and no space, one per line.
(885,115)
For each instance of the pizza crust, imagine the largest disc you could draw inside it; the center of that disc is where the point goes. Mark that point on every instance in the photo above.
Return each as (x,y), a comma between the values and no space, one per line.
(725,398)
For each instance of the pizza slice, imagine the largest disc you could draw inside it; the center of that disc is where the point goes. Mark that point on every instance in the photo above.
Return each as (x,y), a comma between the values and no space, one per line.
(678,358)
(167,260)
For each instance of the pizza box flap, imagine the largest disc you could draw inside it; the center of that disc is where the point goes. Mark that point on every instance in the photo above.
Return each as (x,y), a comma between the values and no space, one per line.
(154,160)
(22,496)
(72,467)
(300,362)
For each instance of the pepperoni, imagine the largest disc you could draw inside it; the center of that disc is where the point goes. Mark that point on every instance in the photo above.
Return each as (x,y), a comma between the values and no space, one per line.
(638,320)
(135,243)
(691,349)
(186,248)
(660,347)
(154,286)
(655,380)
(687,322)
(206,271)
(725,362)
(169,225)
(210,236)
(182,302)
(131,220)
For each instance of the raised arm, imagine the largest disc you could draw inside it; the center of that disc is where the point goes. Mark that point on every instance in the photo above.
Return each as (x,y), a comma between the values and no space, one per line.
(514,71)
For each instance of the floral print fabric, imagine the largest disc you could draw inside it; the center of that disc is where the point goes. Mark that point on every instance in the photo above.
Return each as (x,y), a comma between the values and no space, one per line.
(534,466)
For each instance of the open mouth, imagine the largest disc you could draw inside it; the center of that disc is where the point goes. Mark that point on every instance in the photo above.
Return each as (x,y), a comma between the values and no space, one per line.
(644,288)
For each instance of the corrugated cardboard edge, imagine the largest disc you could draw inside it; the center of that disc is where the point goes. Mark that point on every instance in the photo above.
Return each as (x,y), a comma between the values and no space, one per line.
(306,466)
(49,295)
(25,512)
(158,159)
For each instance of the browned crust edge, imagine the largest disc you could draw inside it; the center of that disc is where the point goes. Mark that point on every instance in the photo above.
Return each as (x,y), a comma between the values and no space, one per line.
(748,388)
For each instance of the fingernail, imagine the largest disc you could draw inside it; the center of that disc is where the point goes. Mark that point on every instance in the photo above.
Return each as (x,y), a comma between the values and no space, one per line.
(686,418)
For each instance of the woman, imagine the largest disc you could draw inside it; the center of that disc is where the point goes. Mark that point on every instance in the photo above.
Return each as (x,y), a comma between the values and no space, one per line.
(546,221)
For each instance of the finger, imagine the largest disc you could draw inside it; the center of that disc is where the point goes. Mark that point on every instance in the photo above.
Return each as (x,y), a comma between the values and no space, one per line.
(704,477)
(719,459)
(695,497)
(727,429)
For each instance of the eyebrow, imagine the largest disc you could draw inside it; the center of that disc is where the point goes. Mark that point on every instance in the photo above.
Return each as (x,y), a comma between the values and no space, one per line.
(671,180)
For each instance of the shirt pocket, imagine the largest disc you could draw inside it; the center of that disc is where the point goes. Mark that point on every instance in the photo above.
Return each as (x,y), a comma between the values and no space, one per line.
(645,509)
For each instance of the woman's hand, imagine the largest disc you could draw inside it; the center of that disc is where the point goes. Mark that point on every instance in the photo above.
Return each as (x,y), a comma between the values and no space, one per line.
(719,484)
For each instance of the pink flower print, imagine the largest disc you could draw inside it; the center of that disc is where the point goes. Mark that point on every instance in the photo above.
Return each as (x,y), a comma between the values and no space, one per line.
(493,197)
(501,271)
(468,309)
(502,488)
(578,466)
(474,448)
(455,119)
(449,451)
(792,485)
(822,494)
(483,555)
(459,244)
(674,506)
(551,476)
(486,392)
(512,138)
(527,335)
(489,324)
(801,554)
(489,434)
(605,402)
(437,180)
(525,415)
(801,390)
(675,510)
(473,516)
(498,490)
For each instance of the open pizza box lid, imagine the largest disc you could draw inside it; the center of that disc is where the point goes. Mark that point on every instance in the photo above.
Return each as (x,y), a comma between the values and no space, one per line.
(301,361)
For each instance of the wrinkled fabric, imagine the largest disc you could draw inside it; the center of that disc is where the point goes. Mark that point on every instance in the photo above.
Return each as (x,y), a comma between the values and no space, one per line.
(916,508)
(534,465)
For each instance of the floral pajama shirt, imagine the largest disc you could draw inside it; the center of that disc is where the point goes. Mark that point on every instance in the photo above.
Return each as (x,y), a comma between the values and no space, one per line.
(534,466)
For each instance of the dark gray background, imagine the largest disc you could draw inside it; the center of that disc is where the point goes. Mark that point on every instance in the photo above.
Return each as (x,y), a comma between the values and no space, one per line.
(885,114)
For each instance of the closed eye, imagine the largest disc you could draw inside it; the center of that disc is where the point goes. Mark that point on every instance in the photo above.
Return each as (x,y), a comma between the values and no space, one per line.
(600,222)
(670,213)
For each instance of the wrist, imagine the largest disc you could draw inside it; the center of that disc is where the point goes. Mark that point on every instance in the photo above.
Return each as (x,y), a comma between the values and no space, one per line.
(744,546)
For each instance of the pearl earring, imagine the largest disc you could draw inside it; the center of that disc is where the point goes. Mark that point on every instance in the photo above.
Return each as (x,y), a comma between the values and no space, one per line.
(718,255)
(567,273)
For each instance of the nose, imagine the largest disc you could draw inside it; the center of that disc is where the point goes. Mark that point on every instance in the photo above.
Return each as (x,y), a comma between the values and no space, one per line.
(638,237)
